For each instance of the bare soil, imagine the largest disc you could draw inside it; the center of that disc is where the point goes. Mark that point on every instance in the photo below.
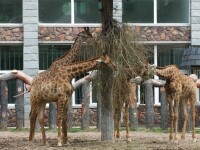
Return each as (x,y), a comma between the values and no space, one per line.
(90,140)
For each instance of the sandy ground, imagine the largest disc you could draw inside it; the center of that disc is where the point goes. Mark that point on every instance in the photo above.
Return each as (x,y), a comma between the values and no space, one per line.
(91,141)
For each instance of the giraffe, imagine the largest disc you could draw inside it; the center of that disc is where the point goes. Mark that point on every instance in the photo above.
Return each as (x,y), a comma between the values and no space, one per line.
(58,88)
(179,89)
(125,96)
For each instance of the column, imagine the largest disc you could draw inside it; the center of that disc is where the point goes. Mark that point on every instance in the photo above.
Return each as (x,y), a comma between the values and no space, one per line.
(31,63)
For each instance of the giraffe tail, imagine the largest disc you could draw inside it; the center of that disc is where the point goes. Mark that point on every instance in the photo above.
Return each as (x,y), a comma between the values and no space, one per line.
(21,93)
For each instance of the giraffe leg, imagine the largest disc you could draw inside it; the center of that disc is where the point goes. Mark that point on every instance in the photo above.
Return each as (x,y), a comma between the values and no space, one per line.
(127,122)
(192,104)
(64,126)
(176,106)
(41,121)
(32,116)
(60,110)
(171,114)
(185,118)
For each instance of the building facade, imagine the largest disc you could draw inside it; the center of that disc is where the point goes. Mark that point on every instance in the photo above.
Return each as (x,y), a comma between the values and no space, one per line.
(35,32)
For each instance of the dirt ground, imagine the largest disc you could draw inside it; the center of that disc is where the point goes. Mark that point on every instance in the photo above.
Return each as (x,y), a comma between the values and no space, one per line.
(90,140)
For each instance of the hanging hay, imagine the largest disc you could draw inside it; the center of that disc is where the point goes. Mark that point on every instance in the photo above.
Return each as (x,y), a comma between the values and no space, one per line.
(123,47)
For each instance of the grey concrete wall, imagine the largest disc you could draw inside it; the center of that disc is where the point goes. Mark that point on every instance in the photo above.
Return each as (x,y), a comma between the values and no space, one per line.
(31,63)
(195,22)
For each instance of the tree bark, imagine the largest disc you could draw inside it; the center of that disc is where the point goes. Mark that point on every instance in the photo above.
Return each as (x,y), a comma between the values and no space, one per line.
(96,95)
(19,106)
(85,119)
(149,104)
(107,128)
(164,110)
(19,75)
(4,105)
(70,116)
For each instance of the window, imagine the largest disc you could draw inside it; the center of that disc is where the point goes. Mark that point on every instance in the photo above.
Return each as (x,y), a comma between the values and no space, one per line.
(173,11)
(55,11)
(87,11)
(11,57)
(48,53)
(167,11)
(11,11)
(60,11)
(138,11)
(170,55)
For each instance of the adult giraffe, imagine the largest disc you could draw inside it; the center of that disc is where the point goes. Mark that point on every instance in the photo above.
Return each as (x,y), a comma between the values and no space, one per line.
(57,88)
(179,88)
(124,95)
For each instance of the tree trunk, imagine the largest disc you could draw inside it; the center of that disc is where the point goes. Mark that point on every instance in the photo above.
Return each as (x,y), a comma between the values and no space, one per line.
(107,16)
(85,107)
(164,110)
(19,106)
(52,116)
(149,104)
(70,116)
(96,96)
(107,129)
(4,105)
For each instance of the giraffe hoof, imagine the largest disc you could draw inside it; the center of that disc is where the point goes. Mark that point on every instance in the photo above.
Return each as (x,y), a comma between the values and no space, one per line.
(194,140)
(117,140)
(66,144)
(128,140)
(176,141)
(59,145)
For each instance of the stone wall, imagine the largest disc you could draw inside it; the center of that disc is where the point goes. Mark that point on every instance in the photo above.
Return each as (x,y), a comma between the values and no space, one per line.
(162,33)
(62,33)
(144,33)
(11,34)
(93,117)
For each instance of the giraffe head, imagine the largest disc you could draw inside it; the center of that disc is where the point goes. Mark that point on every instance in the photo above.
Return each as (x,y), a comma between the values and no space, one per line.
(146,70)
(85,33)
(107,60)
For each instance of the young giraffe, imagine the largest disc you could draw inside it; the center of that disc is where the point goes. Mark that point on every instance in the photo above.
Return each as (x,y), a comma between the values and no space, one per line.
(179,88)
(125,95)
(58,88)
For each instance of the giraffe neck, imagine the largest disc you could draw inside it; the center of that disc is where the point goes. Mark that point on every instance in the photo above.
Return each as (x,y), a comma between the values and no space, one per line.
(168,72)
(76,69)
(69,56)
(162,73)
